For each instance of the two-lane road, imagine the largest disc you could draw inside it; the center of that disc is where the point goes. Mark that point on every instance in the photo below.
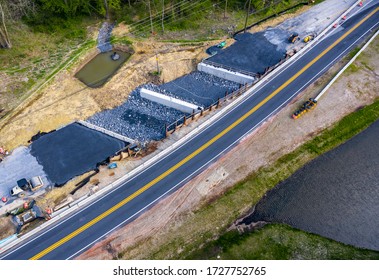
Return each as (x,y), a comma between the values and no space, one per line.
(70,237)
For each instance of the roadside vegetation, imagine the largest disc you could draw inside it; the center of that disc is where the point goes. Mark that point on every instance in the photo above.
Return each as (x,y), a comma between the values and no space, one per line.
(279,242)
(42,35)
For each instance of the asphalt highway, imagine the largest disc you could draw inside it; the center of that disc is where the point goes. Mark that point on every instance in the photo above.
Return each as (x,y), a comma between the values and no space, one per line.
(68,238)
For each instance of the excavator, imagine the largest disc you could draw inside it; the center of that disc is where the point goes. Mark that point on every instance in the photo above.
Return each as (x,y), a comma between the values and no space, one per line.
(293,38)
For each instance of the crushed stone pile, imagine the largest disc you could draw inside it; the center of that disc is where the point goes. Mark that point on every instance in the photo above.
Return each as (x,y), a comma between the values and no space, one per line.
(137,118)
(197,88)
(20,164)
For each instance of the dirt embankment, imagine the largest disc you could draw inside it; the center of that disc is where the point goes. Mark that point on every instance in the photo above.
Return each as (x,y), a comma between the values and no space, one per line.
(169,220)
(66,99)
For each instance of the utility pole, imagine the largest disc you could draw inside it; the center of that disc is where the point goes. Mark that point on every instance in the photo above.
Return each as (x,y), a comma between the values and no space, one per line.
(106,9)
(156,57)
(151,18)
(247,14)
(226,6)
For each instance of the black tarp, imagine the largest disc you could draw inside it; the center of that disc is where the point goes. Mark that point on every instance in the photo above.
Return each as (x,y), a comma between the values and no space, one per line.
(73,150)
(251,52)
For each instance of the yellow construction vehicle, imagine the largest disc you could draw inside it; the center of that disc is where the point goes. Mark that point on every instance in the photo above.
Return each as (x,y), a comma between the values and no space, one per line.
(307,106)
(293,38)
(309,37)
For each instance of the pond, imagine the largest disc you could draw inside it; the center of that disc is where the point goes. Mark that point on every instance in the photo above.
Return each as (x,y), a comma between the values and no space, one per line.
(336,195)
(98,71)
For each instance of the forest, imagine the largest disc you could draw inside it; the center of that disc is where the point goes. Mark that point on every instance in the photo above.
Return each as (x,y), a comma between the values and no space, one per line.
(151,16)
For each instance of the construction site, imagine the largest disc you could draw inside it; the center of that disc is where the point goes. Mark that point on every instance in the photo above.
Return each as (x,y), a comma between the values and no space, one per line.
(88,142)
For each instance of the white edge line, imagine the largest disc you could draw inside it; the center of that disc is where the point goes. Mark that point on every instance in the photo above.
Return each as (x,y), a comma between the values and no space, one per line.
(346,66)
(167,152)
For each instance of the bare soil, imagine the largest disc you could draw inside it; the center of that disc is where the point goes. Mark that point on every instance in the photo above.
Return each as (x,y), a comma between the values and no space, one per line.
(7,227)
(66,99)
(169,219)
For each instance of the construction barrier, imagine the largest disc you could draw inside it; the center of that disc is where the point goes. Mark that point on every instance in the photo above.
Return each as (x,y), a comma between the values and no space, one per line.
(187,119)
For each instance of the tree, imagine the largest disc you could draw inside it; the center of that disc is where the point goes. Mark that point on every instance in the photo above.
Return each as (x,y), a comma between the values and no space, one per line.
(162,19)
(4,36)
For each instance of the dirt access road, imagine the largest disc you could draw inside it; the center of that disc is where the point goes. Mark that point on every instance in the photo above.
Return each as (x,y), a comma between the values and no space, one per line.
(171,221)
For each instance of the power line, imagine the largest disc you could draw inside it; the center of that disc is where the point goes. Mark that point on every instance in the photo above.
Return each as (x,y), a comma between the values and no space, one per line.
(157,22)
(192,5)
(158,14)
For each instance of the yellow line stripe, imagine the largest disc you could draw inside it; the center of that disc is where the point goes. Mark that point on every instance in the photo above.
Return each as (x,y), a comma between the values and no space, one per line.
(198,151)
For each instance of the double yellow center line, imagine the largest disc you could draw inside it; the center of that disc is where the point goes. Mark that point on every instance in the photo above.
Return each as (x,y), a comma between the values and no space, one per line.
(198,151)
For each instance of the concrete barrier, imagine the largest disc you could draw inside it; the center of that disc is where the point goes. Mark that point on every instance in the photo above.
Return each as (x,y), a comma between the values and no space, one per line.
(225,74)
(108,132)
(169,101)
(345,67)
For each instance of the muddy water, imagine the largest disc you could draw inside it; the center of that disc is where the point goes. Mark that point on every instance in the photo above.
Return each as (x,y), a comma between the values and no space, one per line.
(335,195)
(96,72)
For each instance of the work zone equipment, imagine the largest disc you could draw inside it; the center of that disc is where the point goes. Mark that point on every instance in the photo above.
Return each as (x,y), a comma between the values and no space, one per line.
(293,38)
(307,106)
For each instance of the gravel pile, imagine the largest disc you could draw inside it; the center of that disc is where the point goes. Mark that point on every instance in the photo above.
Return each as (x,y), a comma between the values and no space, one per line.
(253,52)
(103,40)
(197,87)
(316,19)
(20,164)
(137,118)
(279,38)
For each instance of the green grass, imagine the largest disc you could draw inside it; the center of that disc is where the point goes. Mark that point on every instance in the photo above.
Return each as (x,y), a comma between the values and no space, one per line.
(353,68)
(207,227)
(208,21)
(36,57)
(280,242)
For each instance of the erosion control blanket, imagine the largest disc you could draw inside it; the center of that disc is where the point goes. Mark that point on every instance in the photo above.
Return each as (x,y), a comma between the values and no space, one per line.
(73,150)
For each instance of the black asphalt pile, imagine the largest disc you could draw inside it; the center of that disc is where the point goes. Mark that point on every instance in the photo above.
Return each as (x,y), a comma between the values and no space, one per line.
(197,87)
(104,37)
(335,195)
(72,151)
(137,118)
(253,52)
